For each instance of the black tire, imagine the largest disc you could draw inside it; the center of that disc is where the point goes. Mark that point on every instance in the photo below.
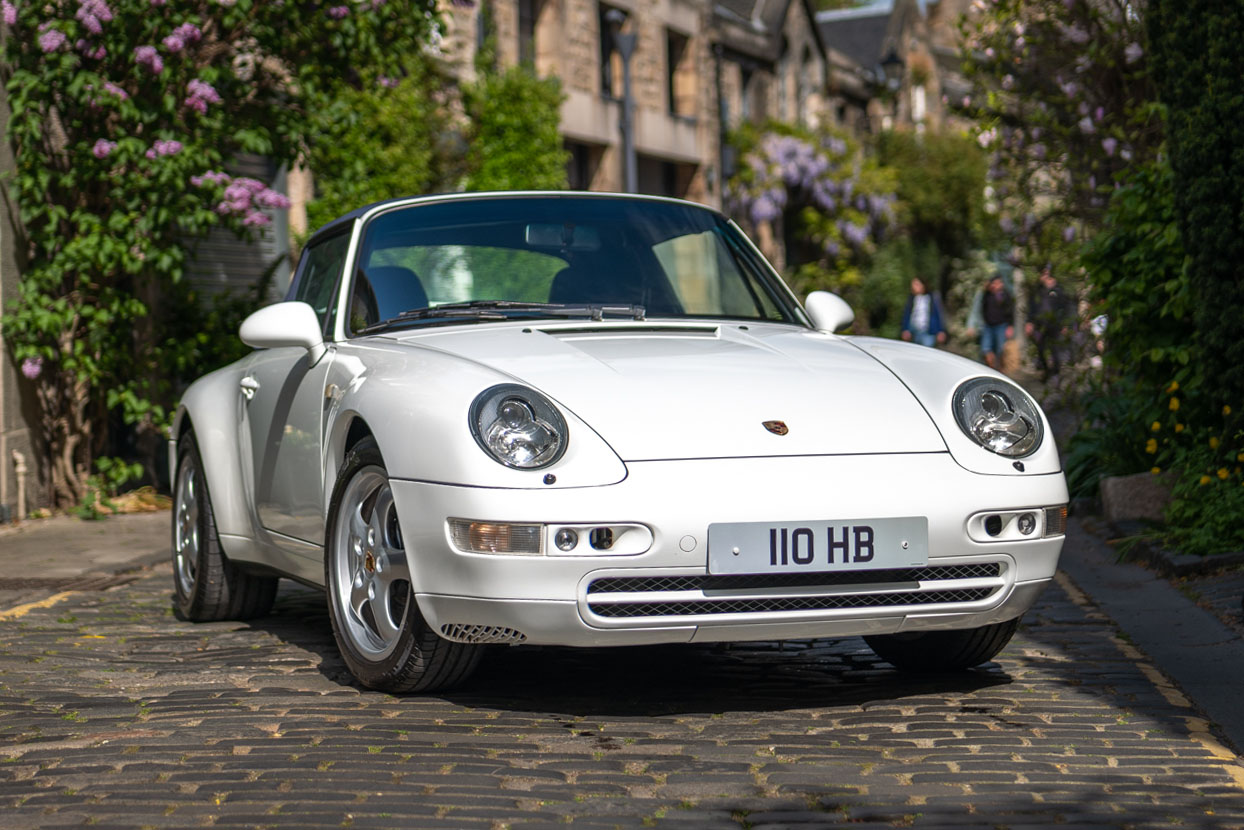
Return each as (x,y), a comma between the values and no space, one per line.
(206,585)
(936,651)
(384,640)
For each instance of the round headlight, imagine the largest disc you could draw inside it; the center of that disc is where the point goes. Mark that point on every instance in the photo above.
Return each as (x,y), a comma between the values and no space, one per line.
(999,416)
(518,426)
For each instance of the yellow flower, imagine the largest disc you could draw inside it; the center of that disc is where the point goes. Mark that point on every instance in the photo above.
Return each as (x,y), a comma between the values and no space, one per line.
(1174,387)
(1179,427)
(1226,410)
(1205,480)
(1155,470)
(1213,443)
(1240,457)
(1151,446)
(1174,404)
(1156,426)
(1222,473)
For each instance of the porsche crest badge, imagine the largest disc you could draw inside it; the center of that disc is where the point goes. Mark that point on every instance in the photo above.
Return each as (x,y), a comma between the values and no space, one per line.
(777,427)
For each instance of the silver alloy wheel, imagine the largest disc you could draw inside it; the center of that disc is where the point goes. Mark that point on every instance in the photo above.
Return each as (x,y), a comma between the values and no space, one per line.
(186,530)
(369,569)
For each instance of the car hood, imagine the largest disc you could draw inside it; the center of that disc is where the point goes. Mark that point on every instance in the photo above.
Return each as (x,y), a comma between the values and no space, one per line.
(656,391)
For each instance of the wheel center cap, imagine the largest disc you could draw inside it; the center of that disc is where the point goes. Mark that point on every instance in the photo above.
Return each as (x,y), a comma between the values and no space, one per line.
(369,562)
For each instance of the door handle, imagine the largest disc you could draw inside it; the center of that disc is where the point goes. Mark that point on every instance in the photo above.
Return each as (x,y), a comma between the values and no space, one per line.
(249,386)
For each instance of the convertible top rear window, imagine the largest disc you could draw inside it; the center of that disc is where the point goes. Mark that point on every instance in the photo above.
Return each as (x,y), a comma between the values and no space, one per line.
(671,260)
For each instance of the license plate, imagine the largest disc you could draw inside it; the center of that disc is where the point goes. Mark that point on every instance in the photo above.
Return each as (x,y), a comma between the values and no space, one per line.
(816,546)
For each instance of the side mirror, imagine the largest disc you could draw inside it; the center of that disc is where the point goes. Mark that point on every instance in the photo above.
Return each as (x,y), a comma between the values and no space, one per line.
(829,312)
(284,324)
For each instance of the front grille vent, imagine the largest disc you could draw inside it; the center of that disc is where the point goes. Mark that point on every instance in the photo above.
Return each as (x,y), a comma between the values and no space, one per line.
(701,607)
(643,584)
(481,634)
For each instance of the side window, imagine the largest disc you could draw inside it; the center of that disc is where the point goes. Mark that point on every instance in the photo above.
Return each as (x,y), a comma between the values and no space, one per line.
(321,266)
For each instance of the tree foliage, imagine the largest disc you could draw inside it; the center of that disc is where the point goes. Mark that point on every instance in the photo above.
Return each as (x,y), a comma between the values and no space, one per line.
(125,114)
(1063,97)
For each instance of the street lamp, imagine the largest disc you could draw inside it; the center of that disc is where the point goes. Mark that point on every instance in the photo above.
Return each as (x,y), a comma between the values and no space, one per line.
(625,44)
(892,68)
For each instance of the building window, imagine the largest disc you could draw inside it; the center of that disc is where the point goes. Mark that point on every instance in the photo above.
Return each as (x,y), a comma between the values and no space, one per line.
(679,74)
(528,13)
(582,165)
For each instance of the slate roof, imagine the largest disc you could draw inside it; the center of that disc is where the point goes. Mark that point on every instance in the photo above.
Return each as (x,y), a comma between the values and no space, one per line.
(860,34)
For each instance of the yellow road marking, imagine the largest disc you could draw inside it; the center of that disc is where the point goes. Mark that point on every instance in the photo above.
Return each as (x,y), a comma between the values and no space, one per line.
(21,610)
(1198,727)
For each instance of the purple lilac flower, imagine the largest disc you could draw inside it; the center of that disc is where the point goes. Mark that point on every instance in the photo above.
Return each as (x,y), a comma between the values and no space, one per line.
(9,12)
(188,32)
(201,94)
(387,82)
(1076,35)
(268,198)
(1069,233)
(91,51)
(158,2)
(213,176)
(1133,52)
(51,40)
(1086,125)
(93,14)
(164,148)
(173,43)
(338,12)
(1109,144)
(103,147)
(109,86)
(32,367)
(255,218)
(148,56)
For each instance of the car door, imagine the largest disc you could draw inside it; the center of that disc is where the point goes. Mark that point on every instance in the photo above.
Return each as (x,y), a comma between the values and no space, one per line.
(284,403)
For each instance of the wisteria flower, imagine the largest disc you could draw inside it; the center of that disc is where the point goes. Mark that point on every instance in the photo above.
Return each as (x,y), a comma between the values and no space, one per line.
(148,56)
(51,40)
(32,367)
(103,147)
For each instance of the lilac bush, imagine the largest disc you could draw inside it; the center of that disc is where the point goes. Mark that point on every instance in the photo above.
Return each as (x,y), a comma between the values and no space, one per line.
(125,113)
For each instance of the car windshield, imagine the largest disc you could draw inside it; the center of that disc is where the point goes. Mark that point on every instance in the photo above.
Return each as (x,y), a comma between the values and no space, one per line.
(557,256)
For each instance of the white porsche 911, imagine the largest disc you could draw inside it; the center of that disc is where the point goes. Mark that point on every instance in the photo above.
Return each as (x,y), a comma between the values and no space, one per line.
(591,420)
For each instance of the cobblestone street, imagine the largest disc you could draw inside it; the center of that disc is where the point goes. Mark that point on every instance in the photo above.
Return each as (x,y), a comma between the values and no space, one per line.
(115,714)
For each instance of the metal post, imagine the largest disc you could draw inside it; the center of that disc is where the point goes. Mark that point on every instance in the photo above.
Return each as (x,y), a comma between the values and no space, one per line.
(625,44)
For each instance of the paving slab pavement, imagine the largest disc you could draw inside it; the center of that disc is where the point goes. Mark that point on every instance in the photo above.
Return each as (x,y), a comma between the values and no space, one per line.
(45,556)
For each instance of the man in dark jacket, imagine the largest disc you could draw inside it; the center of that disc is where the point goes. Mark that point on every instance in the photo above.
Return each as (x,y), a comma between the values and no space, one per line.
(1049,323)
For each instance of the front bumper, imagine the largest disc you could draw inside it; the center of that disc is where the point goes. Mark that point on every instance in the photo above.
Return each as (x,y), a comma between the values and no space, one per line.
(666,594)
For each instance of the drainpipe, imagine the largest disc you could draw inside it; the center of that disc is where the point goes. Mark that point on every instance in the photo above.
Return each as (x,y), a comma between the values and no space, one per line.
(19,468)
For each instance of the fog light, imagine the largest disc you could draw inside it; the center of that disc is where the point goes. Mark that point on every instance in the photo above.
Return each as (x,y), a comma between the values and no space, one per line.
(495,537)
(1027,523)
(566,539)
(601,538)
(993,525)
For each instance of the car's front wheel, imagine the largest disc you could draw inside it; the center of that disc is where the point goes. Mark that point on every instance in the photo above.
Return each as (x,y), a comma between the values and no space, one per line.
(206,585)
(383,638)
(932,651)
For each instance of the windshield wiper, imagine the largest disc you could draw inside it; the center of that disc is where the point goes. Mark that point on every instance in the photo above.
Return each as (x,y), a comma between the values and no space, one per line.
(496,310)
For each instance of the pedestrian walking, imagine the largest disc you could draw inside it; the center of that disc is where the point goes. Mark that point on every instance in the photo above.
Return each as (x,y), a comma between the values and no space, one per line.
(923,316)
(993,318)
(1049,324)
